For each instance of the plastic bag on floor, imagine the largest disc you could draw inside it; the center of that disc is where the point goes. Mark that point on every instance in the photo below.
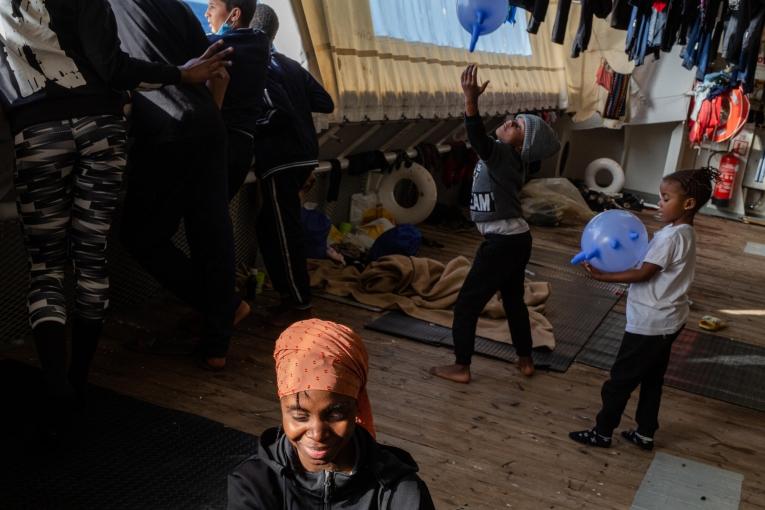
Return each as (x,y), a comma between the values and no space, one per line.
(316,227)
(550,202)
(401,240)
(542,212)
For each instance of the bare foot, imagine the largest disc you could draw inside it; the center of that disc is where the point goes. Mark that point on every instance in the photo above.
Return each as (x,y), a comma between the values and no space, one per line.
(242,311)
(526,365)
(214,364)
(456,373)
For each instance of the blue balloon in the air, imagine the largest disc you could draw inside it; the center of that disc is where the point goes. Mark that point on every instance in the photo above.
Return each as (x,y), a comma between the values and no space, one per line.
(613,241)
(481,17)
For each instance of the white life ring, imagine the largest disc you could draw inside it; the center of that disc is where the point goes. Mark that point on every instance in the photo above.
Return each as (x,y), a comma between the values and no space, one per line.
(612,167)
(426,194)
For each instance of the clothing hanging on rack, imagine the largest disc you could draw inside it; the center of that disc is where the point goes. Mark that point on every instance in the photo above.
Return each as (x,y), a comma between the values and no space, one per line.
(617,85)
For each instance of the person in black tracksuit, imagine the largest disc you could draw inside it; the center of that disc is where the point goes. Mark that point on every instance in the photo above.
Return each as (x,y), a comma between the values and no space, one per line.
(286,152)
(243,102)
(178,172)
(62,82)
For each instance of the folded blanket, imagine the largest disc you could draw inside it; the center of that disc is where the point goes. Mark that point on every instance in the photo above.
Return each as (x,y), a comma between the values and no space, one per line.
(427,289)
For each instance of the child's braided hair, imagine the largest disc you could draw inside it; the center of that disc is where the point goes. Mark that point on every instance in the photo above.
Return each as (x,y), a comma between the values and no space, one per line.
(696,183)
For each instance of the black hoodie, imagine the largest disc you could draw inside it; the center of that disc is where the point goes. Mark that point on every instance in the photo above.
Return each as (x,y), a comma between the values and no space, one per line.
(383,478)
(287,138)
(167,31)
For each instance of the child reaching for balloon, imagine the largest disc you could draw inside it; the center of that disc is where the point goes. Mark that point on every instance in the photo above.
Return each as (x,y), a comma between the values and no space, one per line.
(495,207)
(657,308)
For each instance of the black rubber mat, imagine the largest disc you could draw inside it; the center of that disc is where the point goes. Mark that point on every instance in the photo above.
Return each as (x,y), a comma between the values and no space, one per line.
(124,453)
(575,308)
(704,364)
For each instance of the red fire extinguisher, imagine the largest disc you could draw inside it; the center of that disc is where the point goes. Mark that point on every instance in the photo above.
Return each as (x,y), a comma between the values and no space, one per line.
(723,191)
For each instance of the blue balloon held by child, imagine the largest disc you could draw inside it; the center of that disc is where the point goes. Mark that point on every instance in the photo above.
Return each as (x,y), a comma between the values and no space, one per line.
(613,241)
(480,17)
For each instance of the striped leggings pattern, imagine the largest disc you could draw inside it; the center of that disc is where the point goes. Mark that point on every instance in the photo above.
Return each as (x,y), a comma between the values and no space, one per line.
(68,179)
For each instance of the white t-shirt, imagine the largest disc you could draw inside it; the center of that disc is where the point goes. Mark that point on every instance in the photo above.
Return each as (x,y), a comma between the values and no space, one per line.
(506,227)
(660,305)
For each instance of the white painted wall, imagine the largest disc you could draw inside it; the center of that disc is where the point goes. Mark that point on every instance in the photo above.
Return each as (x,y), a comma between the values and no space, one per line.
(588,145)
(642,151)
(658,105)
(646,155)
(659,90)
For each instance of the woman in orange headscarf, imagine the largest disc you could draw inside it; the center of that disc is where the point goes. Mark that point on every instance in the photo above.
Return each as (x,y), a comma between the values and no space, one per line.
(325,453)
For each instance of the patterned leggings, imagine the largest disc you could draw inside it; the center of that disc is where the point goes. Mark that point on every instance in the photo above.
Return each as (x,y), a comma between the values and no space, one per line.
(68,178)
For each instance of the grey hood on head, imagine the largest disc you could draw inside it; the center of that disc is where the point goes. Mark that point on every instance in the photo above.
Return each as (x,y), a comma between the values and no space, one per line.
(540,141)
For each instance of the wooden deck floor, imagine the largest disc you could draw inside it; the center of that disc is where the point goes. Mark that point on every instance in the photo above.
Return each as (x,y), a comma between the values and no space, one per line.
(501,441)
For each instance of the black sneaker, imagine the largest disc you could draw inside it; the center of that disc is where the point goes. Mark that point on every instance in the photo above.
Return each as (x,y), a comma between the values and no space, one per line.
(591,438)
(643,442)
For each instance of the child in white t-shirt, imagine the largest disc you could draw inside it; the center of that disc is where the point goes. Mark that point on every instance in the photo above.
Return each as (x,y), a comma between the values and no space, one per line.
(657,308)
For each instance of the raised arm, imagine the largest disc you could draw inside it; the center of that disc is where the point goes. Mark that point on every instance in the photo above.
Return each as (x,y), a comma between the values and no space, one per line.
(476,131)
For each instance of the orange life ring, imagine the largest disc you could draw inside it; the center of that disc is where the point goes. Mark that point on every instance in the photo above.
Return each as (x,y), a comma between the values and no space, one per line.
(737,114)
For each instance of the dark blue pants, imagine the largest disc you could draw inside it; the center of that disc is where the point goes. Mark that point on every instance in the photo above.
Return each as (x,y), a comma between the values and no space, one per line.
(281,237)
(240,152)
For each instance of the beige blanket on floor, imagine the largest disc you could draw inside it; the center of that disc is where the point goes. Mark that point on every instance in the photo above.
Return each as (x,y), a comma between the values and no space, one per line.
(427,289)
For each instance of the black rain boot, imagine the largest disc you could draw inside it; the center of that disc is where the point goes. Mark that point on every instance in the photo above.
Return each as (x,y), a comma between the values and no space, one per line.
(54,420)
(50,340)
(85,335)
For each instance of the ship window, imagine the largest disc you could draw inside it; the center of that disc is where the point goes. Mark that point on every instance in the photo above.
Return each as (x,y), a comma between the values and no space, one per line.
(199,7)
(435,22)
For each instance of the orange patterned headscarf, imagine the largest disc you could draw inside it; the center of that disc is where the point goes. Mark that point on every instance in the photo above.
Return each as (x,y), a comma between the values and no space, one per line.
(323,355)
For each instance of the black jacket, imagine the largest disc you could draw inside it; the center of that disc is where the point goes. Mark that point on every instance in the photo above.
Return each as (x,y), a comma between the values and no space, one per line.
(287,136)
(63,60)
(384,478)
(167,31)
(243,103)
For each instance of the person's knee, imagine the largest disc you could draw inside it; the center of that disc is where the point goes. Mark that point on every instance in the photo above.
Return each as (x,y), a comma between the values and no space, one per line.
(516,309)
(466,308)
(50,277)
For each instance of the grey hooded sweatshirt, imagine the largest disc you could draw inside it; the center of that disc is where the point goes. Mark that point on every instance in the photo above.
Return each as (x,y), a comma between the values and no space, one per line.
(383,478)
(501,172)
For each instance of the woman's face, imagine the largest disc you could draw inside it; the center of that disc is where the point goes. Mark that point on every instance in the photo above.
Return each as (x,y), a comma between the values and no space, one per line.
(320,425)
